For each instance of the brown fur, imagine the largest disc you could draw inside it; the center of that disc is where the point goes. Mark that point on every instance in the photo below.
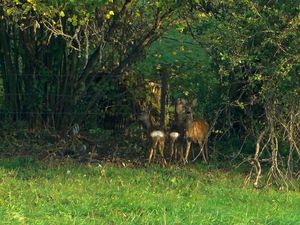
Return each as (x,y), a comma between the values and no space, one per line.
(176,148)
(197,132)
(155,141)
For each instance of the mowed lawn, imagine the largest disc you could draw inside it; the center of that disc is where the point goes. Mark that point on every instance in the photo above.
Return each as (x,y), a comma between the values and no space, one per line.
(32,192)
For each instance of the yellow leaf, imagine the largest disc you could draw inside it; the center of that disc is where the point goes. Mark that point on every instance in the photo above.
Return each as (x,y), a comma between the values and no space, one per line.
(109,14)
(202,14)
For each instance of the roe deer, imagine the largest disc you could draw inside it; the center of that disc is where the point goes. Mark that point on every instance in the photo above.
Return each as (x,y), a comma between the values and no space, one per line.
(174,142)
(156,137)
(176,131)
(195,131)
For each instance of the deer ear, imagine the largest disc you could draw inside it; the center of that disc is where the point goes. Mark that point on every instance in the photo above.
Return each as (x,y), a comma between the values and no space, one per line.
(183,100)
(178,101)
(194,102)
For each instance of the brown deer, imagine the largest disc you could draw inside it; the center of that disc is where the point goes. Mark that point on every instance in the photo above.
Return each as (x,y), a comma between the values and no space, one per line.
(195,130)
(174,144)
(156,137)
(176,131)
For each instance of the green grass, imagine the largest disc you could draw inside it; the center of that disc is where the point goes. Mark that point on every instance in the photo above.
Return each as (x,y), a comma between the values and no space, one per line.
(32,192)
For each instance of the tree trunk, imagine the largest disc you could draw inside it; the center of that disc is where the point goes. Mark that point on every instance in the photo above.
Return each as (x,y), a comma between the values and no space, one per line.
(164,86)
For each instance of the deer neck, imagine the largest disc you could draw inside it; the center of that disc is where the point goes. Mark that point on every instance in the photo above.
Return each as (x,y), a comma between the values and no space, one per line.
(179,120)
(148,124)
(188,122)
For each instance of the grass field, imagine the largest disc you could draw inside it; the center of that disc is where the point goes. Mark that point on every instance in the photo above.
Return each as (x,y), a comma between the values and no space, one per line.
(32,192)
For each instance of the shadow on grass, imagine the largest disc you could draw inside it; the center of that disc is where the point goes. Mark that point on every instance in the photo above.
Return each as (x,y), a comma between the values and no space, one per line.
(27,167)
(23,166)
(18,162)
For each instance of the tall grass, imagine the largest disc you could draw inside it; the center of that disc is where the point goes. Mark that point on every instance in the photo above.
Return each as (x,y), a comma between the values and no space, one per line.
(32,192)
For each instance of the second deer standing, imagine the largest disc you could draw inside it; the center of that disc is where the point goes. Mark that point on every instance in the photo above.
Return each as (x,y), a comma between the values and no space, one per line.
(194,130)
(176,133)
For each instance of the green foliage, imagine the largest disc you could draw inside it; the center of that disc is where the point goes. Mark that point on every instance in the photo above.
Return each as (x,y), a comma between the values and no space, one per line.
(102,132)
(254,45)
(255,54)
(103,135)
(188,67)
(65,193)
(254,50)
(20,162)
(72,56)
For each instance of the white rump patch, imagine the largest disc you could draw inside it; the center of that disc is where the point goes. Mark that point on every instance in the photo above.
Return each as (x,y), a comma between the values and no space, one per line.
(174,135)
(157,133)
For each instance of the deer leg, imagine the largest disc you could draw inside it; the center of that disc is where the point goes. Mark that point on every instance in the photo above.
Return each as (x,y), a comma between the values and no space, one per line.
(205,148)
(161,149)
(176,152)
(154,149)
(154,154)
(172,150)
(201,144)
(150,155)
(181,157)
(188,147)
(193,153)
